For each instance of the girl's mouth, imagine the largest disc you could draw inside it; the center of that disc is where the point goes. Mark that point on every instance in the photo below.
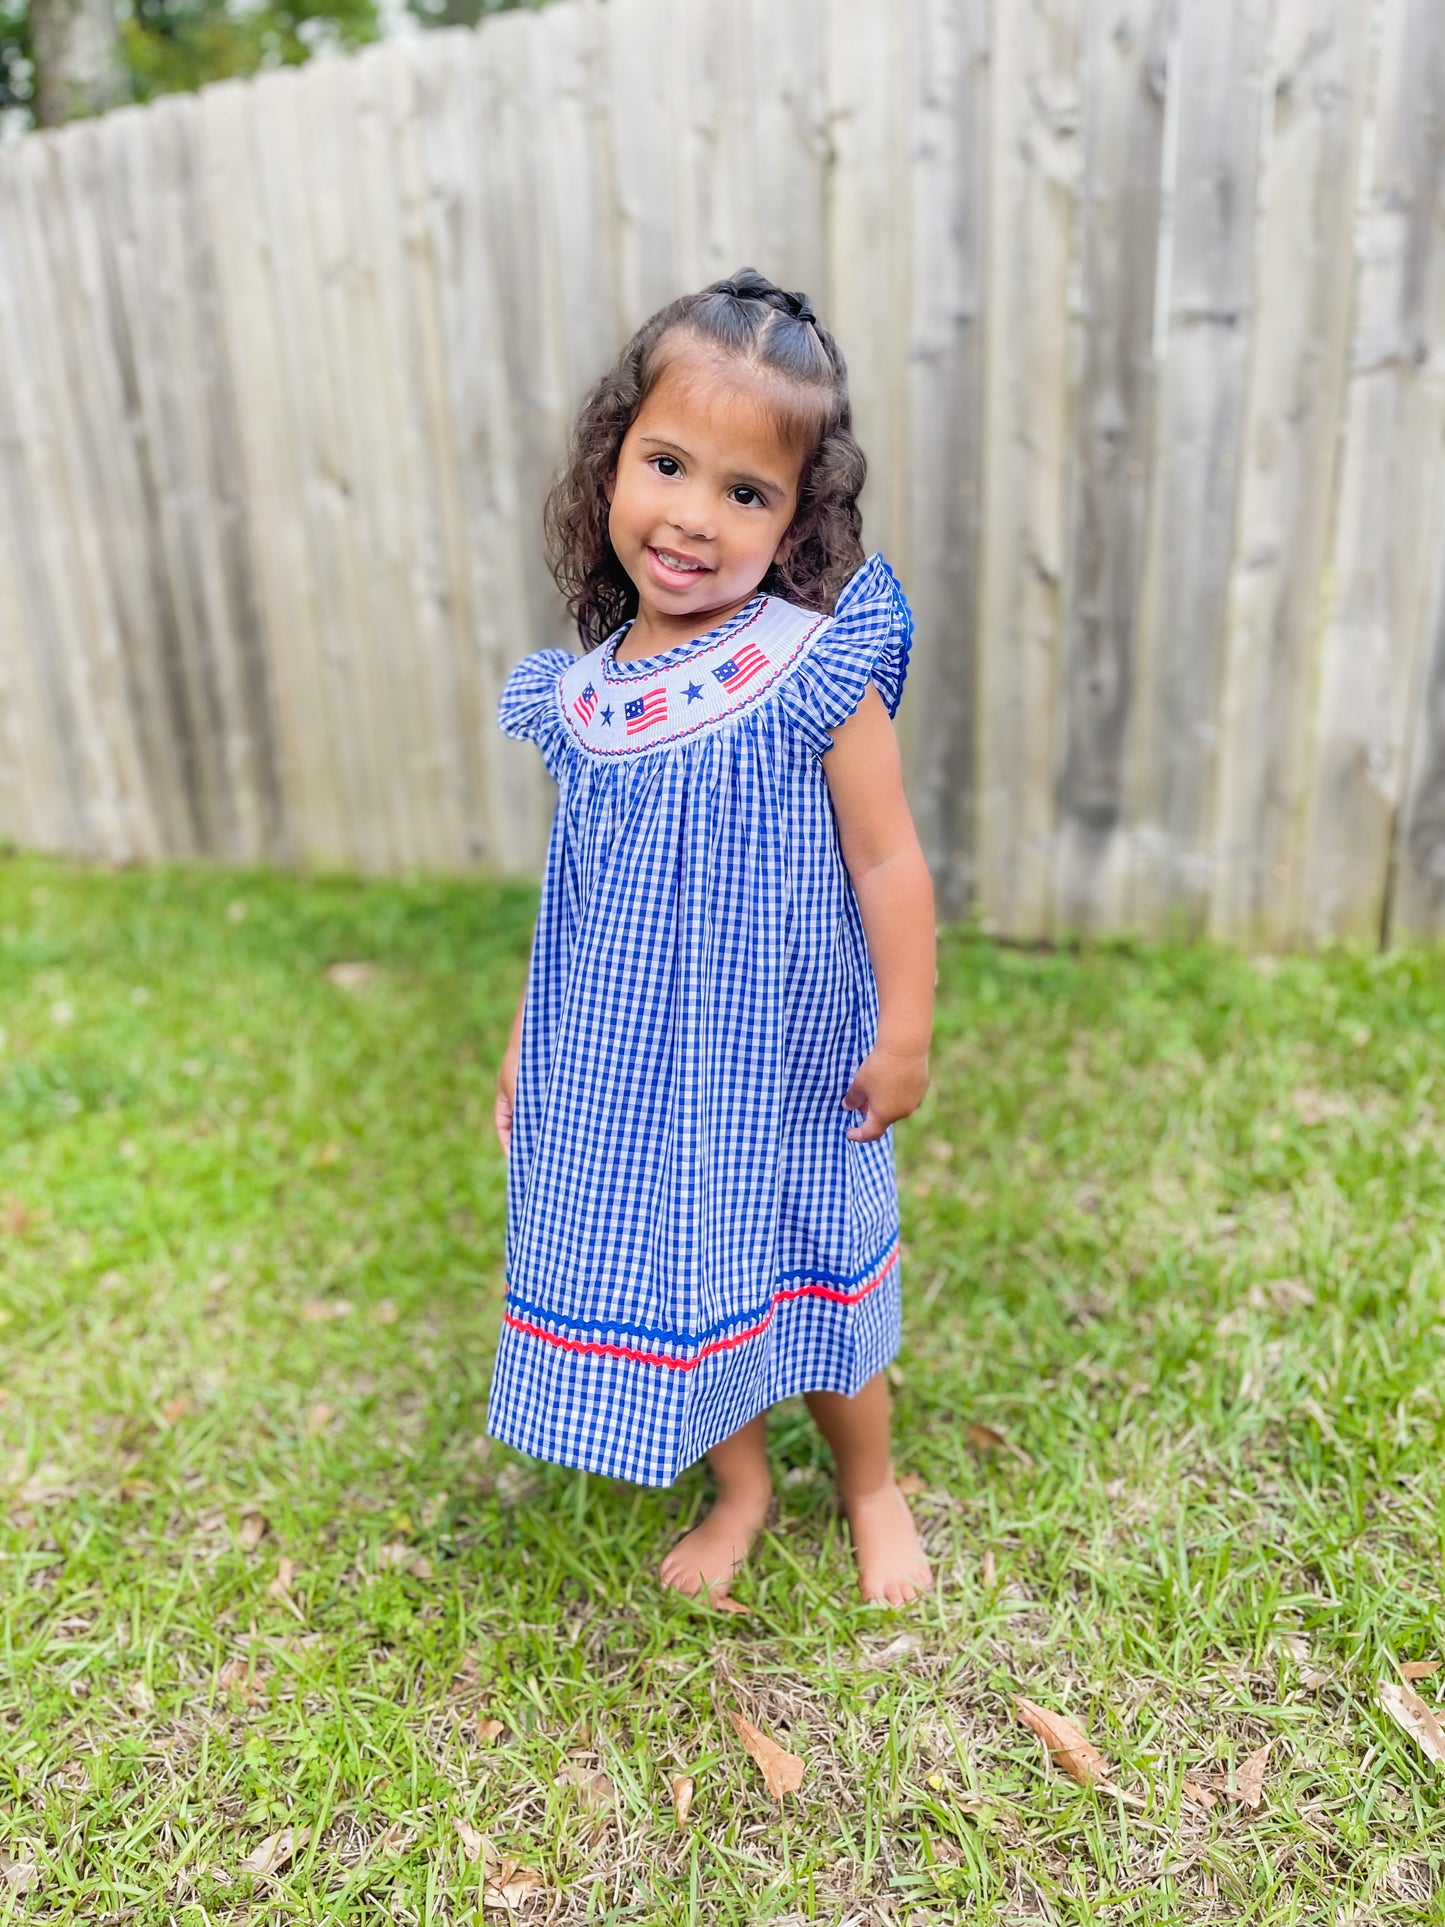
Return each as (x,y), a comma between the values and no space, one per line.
(674,569)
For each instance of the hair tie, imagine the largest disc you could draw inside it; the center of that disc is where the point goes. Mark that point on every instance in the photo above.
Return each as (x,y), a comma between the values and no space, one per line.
(804,312)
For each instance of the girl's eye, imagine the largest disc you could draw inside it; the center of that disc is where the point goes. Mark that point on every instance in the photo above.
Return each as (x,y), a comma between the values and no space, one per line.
(667,465)
(747,497)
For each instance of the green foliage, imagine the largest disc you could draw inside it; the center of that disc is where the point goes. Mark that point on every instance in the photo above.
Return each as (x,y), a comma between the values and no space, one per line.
(172,46)
(1172,1229)
(17,63)
(175,46)
(464,13)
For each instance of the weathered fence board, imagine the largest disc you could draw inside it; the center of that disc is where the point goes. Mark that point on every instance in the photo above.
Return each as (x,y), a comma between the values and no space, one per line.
(1033,206)
(1302,301)
(1384,566)
(1202,307)
(1144,307)
(1124,100)
(1417,908)
(944,473)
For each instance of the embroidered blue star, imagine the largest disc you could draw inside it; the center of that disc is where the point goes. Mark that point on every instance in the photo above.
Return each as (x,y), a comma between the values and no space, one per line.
(694,692)
(607,715)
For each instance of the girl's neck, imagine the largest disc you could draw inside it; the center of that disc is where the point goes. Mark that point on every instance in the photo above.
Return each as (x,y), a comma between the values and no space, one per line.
(654,632)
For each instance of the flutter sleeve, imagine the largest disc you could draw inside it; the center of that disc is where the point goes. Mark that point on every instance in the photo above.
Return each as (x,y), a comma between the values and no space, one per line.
(867,640)
(530,709)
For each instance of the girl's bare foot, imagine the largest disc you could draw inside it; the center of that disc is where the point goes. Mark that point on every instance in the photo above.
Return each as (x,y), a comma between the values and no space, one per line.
(892,1565)
(892,1568)
(708,1558)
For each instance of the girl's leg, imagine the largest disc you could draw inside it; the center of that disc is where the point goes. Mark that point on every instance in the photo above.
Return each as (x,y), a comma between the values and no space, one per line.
(892,1567)
(711,1553)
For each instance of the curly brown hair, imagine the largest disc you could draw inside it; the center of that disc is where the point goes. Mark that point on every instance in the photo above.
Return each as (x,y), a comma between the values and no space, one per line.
(777,335)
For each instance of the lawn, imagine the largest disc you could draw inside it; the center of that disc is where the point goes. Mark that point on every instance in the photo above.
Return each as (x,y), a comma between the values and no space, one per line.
(1171,1398)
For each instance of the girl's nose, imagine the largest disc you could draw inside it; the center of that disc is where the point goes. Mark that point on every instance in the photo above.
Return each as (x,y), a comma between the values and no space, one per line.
(691,520)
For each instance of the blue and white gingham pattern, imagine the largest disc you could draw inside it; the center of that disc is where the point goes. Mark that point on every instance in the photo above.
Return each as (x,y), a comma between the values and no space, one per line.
(691,1237)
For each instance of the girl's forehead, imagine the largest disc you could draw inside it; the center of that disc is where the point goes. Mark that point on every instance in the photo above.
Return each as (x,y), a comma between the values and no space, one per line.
(722,402)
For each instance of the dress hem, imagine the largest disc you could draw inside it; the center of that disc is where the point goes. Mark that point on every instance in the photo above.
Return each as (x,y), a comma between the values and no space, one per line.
(601,1465)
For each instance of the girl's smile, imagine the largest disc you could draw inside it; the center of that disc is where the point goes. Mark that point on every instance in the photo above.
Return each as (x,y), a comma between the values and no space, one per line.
(705,492)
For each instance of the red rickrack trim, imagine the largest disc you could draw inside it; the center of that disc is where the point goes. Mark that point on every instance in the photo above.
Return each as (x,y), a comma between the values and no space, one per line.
(598,1348)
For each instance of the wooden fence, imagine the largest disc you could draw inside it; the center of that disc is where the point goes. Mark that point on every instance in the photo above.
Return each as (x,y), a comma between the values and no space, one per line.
(1145,305)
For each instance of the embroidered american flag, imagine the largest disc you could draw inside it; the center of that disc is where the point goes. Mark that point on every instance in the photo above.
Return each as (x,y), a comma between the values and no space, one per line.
(586,703)
(740,668)
(643,711)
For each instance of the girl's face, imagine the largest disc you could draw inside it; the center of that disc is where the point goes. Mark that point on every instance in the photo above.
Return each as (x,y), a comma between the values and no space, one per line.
(705,492)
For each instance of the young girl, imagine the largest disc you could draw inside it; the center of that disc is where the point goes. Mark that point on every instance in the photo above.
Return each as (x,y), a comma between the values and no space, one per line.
(731,985)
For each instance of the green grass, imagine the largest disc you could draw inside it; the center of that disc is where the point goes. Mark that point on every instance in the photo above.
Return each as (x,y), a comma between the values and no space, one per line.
(1173,1227)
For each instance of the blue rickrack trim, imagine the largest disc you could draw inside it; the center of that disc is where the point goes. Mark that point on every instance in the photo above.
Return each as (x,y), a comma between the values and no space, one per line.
(838,1279)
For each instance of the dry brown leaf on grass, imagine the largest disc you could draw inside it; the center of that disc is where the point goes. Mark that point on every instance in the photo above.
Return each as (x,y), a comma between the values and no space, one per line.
(902,1648)
(594,1789)
(1410,1712)
(725,1603)
(1249,1780)
(1419,1668)
(1199,1796)
(782,1772)
(238,1676)
(473,1845)
(508,1882)
(911,1484)
(318,1418)
(1068,1745)
(280,1586)
(276,1851)
(683,1788)
(252,1529)
(990,1568)
(175,1409)
(983,1438)
(490,1729)
(384,1312)
(20,1876)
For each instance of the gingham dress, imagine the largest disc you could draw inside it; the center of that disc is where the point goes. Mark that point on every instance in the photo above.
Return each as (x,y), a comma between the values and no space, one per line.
(690,1234)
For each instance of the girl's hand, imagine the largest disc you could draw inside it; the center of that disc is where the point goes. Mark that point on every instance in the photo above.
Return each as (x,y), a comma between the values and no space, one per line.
(887,1085)
(506,1097)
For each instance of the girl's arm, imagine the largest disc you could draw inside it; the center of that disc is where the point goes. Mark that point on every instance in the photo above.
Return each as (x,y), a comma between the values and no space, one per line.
(507,1080)
(895,896)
